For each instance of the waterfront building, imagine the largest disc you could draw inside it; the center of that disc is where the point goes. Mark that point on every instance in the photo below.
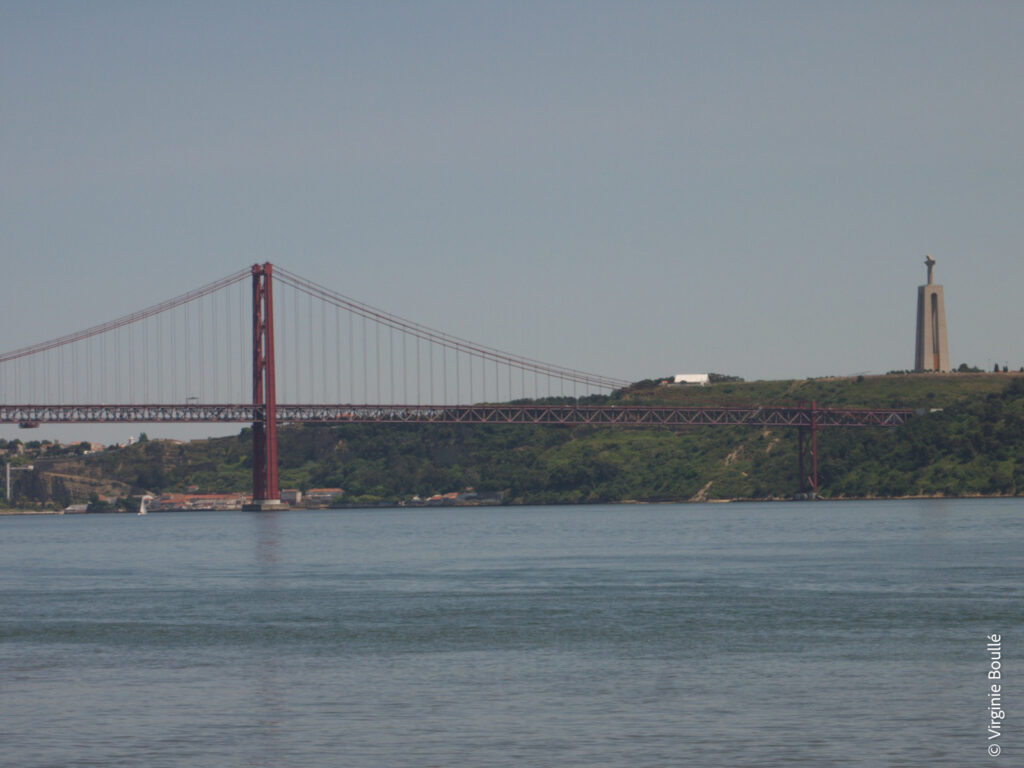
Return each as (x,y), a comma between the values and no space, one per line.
(291,496)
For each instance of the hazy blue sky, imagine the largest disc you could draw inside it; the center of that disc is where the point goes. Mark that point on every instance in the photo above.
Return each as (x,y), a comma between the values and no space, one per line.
(635,188)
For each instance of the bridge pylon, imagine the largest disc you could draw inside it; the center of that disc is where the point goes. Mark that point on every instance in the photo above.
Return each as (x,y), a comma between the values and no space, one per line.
(807,457)
(265,492)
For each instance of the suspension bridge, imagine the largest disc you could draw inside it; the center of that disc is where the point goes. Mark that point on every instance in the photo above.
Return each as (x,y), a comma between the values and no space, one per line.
(264,346)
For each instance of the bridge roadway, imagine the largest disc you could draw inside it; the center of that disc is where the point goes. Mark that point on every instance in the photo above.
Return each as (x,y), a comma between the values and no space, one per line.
(566,415)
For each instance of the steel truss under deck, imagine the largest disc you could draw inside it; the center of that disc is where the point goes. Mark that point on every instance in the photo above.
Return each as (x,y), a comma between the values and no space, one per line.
(564,415)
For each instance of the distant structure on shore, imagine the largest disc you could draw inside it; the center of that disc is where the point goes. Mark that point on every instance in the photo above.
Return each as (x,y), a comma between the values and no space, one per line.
(932,351)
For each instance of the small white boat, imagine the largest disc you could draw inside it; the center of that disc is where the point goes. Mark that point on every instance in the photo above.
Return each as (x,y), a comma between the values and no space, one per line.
(142,505)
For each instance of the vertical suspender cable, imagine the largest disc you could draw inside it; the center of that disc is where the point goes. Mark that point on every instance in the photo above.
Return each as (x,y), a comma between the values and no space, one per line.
(285,317)
(215,362)
(160,383)
(90,361)
(297,394)
(202,351)
(131,366)
(186,348)
(103,367)
(144,326)
(337,351)
(229,345)
(245,344)
(323,352)
(284,362)
(312,377)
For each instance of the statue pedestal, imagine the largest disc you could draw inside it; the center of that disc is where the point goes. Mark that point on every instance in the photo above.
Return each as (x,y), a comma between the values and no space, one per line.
(931,352)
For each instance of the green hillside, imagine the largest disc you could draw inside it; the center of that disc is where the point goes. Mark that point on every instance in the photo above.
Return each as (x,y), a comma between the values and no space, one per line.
(967,440)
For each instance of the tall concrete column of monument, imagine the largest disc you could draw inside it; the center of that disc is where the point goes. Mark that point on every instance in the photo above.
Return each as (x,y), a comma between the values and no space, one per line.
(932,350)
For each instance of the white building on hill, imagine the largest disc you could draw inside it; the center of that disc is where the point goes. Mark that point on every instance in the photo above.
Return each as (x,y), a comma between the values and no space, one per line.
(692,379)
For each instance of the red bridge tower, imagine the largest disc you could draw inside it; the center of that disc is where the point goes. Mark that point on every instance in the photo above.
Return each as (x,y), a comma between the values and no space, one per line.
(265,492)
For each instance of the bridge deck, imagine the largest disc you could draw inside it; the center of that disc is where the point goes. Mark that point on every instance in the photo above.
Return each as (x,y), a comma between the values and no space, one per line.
(567,415)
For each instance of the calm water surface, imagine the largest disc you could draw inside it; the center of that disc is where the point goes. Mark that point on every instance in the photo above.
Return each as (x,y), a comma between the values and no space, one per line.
(692,635)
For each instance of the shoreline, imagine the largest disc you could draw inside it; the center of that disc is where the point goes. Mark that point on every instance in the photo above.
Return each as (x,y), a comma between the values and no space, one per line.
(636,502)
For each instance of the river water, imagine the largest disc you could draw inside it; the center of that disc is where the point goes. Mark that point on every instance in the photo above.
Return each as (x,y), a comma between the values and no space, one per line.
(819,634)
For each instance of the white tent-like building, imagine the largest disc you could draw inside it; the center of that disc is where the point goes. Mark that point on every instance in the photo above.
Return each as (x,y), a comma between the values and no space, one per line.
(698,379)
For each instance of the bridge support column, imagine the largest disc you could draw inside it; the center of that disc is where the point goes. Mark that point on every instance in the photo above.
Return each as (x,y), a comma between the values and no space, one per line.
(265,493)
(807,457)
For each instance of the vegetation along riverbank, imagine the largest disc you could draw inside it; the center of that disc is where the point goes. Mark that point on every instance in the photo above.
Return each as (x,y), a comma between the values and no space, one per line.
(967,439)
